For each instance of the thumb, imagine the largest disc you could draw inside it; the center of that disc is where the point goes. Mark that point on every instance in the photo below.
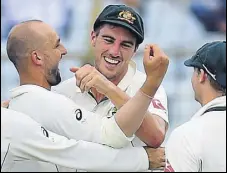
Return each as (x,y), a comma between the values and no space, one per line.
(74,69)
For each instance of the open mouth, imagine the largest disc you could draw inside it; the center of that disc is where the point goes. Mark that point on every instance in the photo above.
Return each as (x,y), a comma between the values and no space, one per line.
(111,61)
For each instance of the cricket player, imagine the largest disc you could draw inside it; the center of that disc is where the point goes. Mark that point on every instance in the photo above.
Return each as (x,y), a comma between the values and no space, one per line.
(117,33)
(35,50)
(200,144)
(26,146)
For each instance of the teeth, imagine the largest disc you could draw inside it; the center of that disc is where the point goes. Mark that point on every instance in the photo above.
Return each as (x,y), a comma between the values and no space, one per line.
(111,61)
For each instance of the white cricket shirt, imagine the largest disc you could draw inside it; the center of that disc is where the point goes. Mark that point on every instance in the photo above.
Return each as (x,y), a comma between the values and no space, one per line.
(27,146)
(200,144)
(131,83)
(61,115)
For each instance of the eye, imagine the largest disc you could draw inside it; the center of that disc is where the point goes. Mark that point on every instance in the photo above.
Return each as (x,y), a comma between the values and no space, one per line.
(126,45)
(108,40)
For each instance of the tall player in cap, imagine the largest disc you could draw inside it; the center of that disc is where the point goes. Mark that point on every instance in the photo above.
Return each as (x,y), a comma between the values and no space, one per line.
(200,144)
(117,33)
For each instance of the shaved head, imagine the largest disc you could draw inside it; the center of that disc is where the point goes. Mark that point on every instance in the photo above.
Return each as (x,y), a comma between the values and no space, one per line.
(25,38)
(35,49)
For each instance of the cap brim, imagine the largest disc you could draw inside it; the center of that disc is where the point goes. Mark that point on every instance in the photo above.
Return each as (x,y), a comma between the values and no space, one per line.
(192,63)
(124,24)
(188,63)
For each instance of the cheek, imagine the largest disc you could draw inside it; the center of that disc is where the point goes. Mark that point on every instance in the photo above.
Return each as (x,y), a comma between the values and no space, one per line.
(127,55)
(194,81)
(100,49)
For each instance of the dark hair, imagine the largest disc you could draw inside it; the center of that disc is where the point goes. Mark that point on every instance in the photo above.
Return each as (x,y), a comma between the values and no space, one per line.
(213,83)
(97,31)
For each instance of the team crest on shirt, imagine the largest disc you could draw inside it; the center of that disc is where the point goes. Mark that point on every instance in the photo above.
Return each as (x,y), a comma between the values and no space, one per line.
(112,112)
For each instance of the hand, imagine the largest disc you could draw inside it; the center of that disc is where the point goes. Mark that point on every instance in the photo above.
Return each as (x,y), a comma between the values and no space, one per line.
(156,157)
(155,67)
(88,77)
(5,104)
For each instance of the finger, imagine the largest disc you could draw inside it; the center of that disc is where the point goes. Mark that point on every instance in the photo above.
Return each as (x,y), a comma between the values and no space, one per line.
(146,53)
(163,159)
(80,74)
(157,52)
(89,85)
(74,69)
(84,81)
(161,165)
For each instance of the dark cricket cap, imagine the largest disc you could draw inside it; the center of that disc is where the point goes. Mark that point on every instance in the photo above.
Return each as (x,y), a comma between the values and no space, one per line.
(124,16)
(212,58)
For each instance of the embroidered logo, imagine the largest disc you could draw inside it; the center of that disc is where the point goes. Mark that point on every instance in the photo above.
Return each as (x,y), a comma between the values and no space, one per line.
(127,16)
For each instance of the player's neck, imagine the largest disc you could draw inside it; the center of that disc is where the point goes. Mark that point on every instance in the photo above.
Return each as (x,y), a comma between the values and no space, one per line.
(32,80)
(209,97)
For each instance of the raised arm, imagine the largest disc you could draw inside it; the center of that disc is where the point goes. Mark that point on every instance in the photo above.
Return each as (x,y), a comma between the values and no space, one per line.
(130,116)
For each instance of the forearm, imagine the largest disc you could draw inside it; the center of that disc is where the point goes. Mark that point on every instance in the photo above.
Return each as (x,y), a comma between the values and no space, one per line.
(152,130)
(117,96)
(130,116)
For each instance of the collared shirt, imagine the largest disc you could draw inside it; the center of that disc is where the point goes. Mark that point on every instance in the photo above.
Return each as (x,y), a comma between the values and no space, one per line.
(131,83)
(61,115)
(27,146)
(200,144)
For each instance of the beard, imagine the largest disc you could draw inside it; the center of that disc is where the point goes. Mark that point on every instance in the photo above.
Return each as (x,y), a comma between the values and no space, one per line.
(54,77)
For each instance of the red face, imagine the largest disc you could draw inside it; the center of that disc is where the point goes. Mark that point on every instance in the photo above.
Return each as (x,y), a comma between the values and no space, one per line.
(113,47)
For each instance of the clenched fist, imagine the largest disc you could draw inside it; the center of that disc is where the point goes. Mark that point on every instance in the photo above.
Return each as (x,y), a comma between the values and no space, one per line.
(88,77)
(155,67)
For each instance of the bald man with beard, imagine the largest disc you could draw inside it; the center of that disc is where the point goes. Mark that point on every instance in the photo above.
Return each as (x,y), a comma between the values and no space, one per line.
(36,39)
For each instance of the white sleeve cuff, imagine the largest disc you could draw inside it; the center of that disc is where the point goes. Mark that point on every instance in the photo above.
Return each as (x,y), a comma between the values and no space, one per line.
(112,135)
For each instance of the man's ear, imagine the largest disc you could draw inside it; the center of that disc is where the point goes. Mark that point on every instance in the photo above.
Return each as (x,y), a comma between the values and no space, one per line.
(93,38)
(202,76)
(37,59)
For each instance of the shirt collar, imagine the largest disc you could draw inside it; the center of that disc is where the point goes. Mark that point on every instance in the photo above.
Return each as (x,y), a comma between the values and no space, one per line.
(127,79)
(25,89)
(220,101)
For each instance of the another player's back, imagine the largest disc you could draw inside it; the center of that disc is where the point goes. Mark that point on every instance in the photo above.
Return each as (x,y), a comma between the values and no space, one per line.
(16,127)
(213,149)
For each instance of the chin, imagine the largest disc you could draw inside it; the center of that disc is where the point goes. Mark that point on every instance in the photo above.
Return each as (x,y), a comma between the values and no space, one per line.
(55,81)
(108,75)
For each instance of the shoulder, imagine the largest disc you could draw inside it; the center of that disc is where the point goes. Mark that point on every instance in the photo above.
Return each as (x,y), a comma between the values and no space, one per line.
(67,87)
(187,133)
(18,120)
(138,80)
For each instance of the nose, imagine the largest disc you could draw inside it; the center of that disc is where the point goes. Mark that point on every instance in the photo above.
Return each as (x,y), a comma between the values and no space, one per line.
(115,50)
(64,51)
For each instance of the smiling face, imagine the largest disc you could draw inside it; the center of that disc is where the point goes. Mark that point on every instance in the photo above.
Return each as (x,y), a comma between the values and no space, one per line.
(53,53)
(114,47)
